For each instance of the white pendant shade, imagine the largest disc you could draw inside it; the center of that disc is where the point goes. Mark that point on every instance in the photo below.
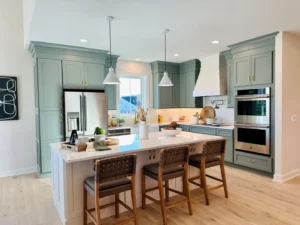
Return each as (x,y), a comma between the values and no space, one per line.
(165,81)
(111,77)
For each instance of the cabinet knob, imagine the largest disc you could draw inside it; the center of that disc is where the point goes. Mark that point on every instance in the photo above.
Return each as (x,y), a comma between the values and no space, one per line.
(82,82)
(61,117)
(60,103)
(86,83)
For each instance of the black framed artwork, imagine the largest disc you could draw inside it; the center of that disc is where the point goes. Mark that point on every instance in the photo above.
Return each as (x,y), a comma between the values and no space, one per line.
(8,98)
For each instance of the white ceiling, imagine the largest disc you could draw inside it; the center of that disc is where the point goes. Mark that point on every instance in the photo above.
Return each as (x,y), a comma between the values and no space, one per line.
(136,32)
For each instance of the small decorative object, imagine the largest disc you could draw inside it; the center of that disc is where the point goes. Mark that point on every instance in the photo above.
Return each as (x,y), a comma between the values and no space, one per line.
(135,119)
(143,128)
(114,122)
(99,134)
(100,146)
(121,121)
(111,141)
(74,148)
(73,137)
(8,99)
(196,118)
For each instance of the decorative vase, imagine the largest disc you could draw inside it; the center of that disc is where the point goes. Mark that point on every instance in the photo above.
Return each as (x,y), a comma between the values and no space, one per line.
(195,119)
(143,130)
(99,137)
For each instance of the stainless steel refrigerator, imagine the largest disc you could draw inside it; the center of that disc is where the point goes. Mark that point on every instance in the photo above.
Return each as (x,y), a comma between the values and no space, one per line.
(85,110)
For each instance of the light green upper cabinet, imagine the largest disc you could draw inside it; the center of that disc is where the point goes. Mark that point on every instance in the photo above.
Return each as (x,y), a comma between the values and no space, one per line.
(241,71)
(50,84)
(261,68)
(253,61)
(94,76)
(230,85)
(190,81)
(73,73)
(175,90)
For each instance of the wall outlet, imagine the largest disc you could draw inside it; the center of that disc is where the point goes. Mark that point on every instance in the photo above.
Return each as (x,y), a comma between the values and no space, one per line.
(294,118)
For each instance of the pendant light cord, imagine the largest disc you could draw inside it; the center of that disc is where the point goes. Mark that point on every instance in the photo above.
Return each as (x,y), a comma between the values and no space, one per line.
(110,42)
(165,52)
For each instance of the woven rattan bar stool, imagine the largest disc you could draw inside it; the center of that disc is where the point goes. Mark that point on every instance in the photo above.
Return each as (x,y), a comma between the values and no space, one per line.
(212,155)
(173,163)
(111,179)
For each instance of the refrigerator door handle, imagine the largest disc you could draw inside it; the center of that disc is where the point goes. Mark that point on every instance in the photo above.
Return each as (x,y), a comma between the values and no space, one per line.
(81,114)
(84,113)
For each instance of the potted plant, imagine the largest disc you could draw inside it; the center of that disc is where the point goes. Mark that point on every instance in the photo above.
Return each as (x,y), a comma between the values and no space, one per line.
(196,118)
(121,121)
(99,134)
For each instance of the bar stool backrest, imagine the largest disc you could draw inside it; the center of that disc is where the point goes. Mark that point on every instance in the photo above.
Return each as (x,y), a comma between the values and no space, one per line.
(172,157)
(214,148)
(115,168)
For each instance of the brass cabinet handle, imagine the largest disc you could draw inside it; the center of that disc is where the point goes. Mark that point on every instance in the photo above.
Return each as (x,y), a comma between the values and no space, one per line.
(82,82)
(253,78)
(248,78)
(86,83)
(60,104)
(61,117)
(252,161)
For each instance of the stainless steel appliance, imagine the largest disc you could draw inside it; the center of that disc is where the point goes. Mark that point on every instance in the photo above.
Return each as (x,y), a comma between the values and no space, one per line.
(84,110)
(252,106)
(252,120)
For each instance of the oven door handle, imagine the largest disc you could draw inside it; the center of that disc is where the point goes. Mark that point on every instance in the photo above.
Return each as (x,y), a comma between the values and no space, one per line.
(251,125)
(252,96)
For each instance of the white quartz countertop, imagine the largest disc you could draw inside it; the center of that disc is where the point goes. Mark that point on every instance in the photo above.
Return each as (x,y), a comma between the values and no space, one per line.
(132,144)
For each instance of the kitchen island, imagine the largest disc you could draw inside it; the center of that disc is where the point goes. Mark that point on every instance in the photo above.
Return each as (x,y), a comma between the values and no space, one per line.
(70,169)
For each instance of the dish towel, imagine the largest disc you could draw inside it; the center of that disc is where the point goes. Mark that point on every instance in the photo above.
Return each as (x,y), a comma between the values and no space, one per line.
(100,146)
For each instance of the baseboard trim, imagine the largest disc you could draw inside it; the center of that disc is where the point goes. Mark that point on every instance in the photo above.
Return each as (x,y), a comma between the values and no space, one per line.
(283,178)
(11,173)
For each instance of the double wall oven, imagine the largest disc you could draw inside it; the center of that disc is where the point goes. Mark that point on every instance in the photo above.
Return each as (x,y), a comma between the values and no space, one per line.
(252,120)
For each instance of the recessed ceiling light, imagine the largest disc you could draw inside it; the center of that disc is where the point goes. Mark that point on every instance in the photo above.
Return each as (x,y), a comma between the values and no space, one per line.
(215,42)
(83,40)
(176,54)
(137,59)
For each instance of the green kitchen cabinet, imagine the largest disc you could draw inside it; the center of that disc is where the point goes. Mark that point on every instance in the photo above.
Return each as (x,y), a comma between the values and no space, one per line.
(94,76)
(81,75)
(230,85)
(50,84)
(73,75)
(253,61)
(176,90)
(229,149)
(241,71)
(51,131)
(111,90)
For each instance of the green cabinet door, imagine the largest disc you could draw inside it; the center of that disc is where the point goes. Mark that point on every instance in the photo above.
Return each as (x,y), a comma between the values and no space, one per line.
(94,76)
(230,85)
(261,68)
(241,71)
(49,84)
(176,90)
(73,75)
(165,94)
(51,129)
(190,81)
(229,150)
(155,90)
(182,91)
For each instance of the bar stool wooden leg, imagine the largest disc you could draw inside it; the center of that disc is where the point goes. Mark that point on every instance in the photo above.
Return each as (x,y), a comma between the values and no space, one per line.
(187,189)
(84,205)
(117,206)
(204,180)
(133,197)
(97,204)
(167,190)
(143,181)
(222,167)
(162,198)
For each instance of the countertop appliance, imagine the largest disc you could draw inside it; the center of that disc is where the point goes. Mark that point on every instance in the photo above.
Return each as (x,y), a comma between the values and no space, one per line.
(84,110)
(252,120)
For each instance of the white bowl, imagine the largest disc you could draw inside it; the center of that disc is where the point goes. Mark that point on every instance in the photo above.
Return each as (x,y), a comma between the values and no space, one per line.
(171,133)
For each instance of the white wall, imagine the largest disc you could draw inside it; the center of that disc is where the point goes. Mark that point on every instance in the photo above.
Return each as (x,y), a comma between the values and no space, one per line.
(17,148)
(28,10)
(287,155)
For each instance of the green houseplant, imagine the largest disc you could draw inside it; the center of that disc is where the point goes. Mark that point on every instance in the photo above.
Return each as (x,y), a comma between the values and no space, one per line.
(99,134)
(121,120)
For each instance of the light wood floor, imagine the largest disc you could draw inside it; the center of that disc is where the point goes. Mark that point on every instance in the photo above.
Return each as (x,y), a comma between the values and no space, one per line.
(253,200)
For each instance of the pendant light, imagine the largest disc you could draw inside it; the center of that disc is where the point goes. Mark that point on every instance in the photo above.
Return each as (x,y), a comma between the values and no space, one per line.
(111,77)
(165,81)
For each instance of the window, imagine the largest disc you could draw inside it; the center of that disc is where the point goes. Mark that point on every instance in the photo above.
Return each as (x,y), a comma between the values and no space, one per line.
(132,93)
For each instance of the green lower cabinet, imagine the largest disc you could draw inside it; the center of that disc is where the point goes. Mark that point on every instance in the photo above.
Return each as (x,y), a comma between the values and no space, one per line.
(203,130)
(229,150)
(259,162)
(46,155)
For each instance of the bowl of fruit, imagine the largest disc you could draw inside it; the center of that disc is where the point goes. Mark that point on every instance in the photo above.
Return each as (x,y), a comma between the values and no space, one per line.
(171,130)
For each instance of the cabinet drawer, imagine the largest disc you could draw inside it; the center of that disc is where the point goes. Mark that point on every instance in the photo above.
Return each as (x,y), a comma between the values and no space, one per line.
(203,130)
(258,162)
(225,132)
(184,127)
